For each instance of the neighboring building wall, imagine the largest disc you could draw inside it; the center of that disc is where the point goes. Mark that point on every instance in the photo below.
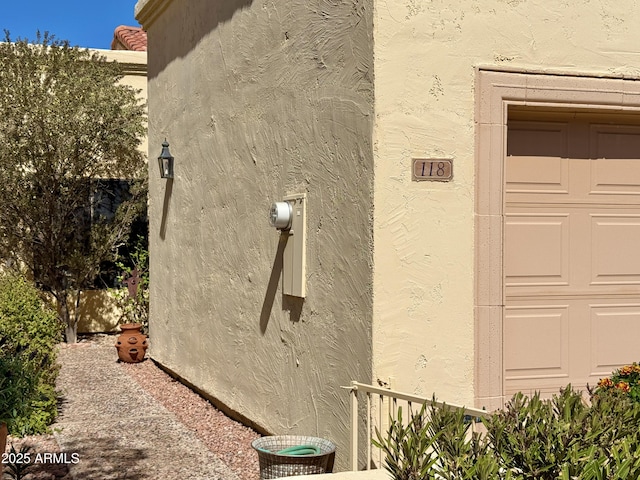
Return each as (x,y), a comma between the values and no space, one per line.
(99,312)
(259,101)
(426,56)
(135,75)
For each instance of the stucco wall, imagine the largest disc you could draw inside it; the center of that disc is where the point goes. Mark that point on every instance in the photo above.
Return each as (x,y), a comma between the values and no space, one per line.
(258,100)
(98,312)
(134,66)
(425,59)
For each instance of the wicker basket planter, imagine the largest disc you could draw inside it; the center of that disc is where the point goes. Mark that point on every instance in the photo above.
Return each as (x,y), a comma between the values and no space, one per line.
(275,465)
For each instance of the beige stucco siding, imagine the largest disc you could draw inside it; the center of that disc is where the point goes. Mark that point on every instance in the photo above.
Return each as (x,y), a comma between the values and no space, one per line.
(134,66)
(425,55)
(259,101)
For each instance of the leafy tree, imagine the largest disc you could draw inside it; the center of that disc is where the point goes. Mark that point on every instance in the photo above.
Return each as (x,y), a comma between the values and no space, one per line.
(67,127)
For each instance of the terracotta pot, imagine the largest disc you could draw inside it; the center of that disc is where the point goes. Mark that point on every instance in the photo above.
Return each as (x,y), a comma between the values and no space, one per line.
(3,437)
(131,344)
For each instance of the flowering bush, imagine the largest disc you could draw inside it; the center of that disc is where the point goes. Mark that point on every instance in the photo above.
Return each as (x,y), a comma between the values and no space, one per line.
(625,379)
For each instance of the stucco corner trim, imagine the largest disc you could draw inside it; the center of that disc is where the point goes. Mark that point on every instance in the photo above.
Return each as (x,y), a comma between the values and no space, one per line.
(550,71)
(147,11)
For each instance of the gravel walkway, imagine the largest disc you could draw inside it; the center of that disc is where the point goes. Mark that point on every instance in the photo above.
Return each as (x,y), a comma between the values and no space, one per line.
(133,421)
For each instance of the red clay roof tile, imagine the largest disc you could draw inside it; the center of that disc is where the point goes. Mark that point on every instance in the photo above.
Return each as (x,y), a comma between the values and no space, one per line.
(129,38)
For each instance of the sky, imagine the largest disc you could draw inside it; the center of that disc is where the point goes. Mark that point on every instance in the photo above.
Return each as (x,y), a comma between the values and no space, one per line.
(85,23)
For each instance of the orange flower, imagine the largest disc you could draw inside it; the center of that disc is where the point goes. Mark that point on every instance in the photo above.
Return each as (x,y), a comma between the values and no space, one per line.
(626,370)
(624,386)
(605,383)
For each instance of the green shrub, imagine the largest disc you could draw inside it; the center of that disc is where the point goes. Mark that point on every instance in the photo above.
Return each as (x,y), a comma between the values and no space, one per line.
(408,448)
(622,463)
(29,328)
(435,443)
(532,436)
(461,454)
(18,384)
(563,438)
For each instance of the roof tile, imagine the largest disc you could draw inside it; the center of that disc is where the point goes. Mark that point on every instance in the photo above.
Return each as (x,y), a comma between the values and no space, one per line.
(129,38)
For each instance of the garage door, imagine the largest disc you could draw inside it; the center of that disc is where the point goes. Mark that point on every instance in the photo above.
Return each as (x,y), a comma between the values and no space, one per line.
(571,248)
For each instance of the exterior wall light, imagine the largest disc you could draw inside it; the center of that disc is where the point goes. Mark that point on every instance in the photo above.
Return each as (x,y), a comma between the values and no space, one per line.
(165,161)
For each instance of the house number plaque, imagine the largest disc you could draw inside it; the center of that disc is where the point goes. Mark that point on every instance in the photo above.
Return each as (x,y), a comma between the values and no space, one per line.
(432,169)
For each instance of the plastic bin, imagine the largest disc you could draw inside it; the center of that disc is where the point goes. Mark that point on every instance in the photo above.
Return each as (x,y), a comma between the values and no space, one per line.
(275,465)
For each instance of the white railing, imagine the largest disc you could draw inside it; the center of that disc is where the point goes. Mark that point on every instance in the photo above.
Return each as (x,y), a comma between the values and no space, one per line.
(379,400)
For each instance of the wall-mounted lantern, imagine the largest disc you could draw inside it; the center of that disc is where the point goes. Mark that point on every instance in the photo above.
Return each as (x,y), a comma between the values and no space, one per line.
(165,161)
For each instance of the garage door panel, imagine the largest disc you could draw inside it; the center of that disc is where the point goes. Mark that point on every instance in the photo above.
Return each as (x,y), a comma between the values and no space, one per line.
(546,390)
(615,336)
(615,176)
(615,243)
(542,174)
(538,341)
(614,165)
(537,158)
(545,238)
